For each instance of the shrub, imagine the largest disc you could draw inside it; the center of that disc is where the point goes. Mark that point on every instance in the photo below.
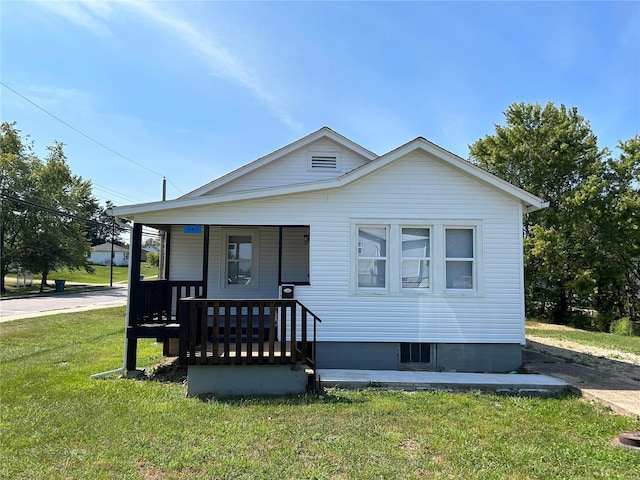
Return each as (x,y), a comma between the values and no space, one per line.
(623,326)
(153,258)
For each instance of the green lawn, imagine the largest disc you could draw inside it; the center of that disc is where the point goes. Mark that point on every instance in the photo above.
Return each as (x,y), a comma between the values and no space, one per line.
(56,422)
(599,339)
(101,275)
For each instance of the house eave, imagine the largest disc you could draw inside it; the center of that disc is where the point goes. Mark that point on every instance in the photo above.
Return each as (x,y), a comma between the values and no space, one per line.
(529,201)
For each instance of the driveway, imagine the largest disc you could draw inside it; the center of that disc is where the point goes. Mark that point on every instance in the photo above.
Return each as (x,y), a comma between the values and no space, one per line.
(17,308)
(607,376)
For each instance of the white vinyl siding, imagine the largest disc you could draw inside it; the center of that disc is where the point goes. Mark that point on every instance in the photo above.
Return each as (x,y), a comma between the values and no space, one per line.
(296,168)
(416,190)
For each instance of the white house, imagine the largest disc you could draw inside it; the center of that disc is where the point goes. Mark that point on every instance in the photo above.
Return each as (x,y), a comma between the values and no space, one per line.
(412,259)
(101,255)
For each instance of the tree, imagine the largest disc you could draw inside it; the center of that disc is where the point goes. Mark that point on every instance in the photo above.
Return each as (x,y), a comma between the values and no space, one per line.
(45,207)
(616,242)
(552,153)
(105,228)
(53,240)
(16,163)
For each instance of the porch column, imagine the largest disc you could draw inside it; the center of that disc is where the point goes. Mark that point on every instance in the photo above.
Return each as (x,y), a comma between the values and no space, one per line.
(205,260)
(166,253)
(134,280)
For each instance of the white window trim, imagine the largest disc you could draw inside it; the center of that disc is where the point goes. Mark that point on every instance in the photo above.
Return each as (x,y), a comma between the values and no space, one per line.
(255,264)
(471,259)
(476,267)
(430,258)
(372,290)
(437,264)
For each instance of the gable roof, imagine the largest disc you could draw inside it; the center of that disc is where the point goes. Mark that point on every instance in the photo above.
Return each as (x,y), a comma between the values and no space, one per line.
(106,247)
(529,201)
(324,132)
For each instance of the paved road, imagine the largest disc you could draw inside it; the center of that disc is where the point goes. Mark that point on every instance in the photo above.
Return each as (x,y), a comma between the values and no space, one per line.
(71,302)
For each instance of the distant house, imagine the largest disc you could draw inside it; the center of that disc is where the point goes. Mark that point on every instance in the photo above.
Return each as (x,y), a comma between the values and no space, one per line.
(101,255)
(412,259)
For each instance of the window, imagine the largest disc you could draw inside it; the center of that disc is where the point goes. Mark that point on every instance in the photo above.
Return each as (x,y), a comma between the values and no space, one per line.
(239,259)
(415,353)
(372,257)
(415,257)
(459,258)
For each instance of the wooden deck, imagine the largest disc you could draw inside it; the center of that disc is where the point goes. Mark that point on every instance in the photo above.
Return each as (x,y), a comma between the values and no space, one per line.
(221,332)
(246,332)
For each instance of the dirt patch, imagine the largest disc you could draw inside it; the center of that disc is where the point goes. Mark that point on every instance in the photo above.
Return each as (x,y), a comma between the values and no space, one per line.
(611,362)
(550,326)
(590,350)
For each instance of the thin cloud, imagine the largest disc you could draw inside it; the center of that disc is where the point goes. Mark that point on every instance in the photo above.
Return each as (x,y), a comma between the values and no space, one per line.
(221,62)
(92,16)
(86,14)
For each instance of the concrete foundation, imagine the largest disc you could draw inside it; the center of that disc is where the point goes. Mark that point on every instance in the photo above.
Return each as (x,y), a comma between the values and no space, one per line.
(445,357)
(226,380)
(478,357)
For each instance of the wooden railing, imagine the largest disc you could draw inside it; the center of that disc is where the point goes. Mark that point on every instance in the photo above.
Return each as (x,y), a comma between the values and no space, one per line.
(157,300)
(246,332)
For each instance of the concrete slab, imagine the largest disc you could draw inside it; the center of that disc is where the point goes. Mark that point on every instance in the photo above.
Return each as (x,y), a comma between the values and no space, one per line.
(509,383)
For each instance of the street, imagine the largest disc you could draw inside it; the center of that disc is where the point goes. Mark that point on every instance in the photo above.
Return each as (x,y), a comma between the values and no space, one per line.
(14,309)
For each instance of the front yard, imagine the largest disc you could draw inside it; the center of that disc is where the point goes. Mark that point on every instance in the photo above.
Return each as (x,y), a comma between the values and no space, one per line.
(78,279)
(56,422)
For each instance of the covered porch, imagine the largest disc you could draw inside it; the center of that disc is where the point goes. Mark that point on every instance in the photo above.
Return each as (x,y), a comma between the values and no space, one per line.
(221,314)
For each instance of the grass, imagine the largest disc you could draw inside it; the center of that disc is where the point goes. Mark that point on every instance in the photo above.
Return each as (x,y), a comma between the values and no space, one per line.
(56,422)
(101,275)
(611,341)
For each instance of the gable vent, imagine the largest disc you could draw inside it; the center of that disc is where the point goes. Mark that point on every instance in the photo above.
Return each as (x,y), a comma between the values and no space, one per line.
(324,162)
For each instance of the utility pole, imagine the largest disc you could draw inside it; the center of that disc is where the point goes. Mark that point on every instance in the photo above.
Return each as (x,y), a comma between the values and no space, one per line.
(161,250)
(113,233)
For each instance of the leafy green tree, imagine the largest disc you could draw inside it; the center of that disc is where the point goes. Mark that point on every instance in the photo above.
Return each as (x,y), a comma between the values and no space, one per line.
(16,163)
(104,227)
(53,240)
(615,244)
(44,209)
(552,153)
(153,259)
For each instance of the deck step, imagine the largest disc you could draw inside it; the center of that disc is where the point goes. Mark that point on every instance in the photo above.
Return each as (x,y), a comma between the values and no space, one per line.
(154,330)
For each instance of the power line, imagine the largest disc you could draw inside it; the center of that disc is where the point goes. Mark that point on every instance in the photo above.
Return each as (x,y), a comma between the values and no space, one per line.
(88,137)
(114,192)
(52,210)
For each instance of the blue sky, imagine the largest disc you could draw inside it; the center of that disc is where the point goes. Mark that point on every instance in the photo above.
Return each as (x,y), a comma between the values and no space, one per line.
(192,90)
